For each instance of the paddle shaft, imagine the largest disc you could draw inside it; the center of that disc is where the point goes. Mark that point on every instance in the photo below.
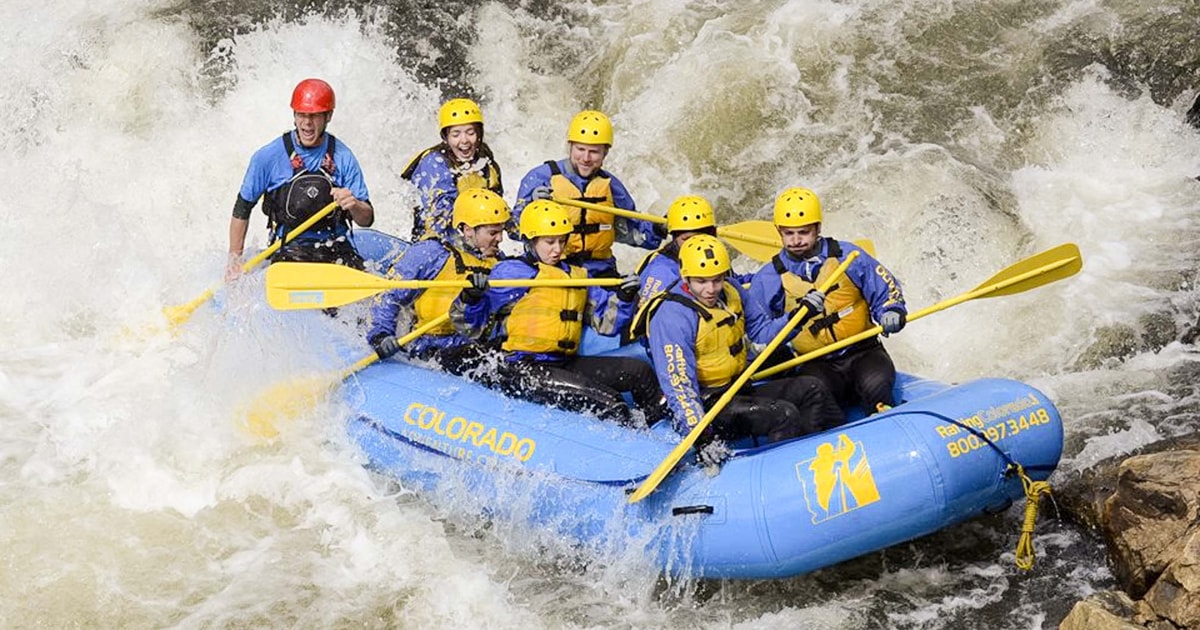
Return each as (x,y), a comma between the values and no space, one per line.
(176,315)
(983,290)
(462,284)
(293,285)
(630,214)
(680,449)
(402,341)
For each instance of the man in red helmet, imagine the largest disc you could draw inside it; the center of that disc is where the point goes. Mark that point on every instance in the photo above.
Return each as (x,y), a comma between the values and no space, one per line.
(299,174)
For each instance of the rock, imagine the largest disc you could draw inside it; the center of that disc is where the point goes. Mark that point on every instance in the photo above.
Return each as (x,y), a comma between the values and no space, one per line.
(1108,610)
(1176,595)
(1146,520)
(1147,508)
(1081,498)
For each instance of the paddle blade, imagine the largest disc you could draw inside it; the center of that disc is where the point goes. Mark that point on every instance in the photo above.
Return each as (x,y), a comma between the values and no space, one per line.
(285,401)
(293,285)
(756,239)
(759,239)
(177,315)
(1049,266)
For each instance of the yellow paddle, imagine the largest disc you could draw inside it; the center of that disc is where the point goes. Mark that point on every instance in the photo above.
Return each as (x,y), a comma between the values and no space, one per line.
(1049,266)
(177,315)
(295,285)
(757,239)
(680,449)
(290,399)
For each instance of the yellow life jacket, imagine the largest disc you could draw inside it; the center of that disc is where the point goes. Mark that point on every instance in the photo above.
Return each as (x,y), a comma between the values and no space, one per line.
(594,234)
(548,319)
(435,301)
(465,175)
(720,334)
(846,311)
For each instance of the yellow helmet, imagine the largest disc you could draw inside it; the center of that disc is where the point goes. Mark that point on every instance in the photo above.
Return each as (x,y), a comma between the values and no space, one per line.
(797,207)
(459,111)
(590,127)
(545,218)
(703,256)
(479,206)
(690,213)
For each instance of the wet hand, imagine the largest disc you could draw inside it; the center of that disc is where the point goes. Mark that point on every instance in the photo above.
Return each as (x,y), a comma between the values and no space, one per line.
(815,301)
(479,286)
(712,455)
(385,345)
(892,322)
(627,291)
(343,197)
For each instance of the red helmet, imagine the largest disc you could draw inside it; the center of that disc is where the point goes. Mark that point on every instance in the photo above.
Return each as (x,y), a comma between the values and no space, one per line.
(312,96)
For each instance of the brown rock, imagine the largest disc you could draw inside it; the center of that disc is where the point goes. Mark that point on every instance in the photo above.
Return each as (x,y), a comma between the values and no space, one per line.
(1176,595)
(1147,519)
(1109,610)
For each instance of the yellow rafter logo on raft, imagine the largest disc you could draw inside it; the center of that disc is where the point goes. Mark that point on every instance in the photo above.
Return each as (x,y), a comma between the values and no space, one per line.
(838,480)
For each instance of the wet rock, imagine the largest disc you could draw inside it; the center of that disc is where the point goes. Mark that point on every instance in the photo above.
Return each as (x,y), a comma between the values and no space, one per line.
(1081,498)
(1175,597)
(1109,610)
(1158,330)
(1119,341)
(1147,509)
(1147,520)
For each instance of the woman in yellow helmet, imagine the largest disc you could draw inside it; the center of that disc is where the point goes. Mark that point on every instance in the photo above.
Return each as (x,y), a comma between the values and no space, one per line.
(461,161)
(538,330)
(698,339)
(582,176)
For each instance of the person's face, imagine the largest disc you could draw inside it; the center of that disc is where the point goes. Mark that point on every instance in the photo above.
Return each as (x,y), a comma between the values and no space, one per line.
(800,242)
(706,289)
(587,158)
(310,127)
(549,249)
(485,238)
(463,140)
(682,237)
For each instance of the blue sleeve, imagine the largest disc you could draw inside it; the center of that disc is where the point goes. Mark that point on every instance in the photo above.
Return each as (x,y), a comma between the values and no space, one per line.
(349,173)
(635,232)
(422,261)
(672,341)
(660,274)
(878,286)
(268,169)
(435,182)
(764,305)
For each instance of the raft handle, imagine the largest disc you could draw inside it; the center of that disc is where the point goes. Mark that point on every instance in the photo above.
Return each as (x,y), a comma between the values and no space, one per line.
(692,509)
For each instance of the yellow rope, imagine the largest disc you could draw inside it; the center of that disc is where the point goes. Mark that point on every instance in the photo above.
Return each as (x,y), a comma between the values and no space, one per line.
(1033,494)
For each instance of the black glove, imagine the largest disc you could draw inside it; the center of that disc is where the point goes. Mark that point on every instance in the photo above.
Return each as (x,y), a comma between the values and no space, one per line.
(479,285)
(892,322)
(627,291)
(385,345)
(660,230)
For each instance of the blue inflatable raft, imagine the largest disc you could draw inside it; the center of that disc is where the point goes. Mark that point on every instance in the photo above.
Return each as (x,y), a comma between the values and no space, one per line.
(943,455)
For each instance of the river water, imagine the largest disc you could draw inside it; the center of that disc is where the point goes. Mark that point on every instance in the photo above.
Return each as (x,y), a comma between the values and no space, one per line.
(959,136)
